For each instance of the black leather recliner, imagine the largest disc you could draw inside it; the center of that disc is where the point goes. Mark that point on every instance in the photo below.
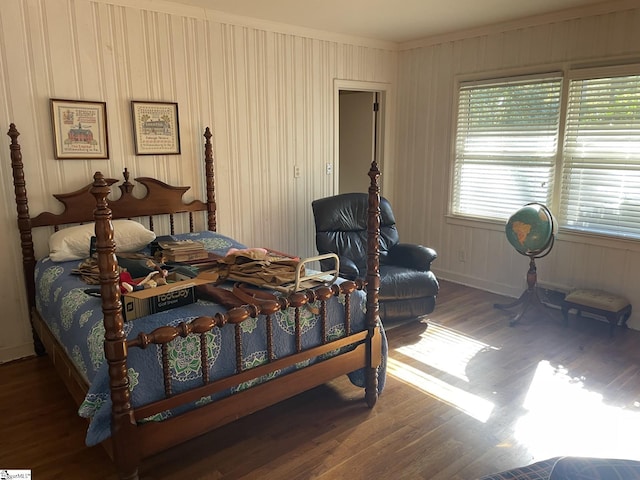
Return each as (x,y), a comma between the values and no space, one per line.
(408,287)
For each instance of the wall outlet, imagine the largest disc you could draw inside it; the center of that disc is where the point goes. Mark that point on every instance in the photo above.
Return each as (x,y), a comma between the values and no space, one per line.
(297,171)
(329,169)
(462,256)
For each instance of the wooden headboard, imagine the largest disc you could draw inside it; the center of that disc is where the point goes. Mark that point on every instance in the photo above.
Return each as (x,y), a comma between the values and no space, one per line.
(160,199)
(79,206)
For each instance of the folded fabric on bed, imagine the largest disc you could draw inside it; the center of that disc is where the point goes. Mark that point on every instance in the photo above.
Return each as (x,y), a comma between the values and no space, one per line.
(75,318)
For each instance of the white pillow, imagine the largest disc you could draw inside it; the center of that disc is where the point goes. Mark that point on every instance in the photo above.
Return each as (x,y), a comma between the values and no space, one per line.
(73,243)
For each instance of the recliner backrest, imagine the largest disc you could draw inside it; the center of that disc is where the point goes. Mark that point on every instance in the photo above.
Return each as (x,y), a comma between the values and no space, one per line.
(341,226)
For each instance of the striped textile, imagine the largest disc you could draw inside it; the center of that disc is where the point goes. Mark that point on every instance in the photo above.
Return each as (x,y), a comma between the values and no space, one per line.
(584,468)
(536,471)
(573,468)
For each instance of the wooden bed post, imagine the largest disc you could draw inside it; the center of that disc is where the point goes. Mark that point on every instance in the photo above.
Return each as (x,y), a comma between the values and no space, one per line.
(211,192)
(123,426)
(24,226)
(373,280)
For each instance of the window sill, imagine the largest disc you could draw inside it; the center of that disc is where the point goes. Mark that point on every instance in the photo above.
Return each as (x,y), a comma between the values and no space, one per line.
(563,235)
(476,222)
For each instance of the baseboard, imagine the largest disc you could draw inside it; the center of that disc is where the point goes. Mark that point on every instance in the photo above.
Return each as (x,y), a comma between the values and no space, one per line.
(550,294)
(8,354)
(482,284)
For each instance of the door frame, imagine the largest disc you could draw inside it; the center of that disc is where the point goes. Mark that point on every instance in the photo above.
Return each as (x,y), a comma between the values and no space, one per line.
(384,135)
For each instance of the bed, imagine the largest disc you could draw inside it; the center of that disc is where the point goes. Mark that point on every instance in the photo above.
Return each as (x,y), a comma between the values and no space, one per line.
(142,383)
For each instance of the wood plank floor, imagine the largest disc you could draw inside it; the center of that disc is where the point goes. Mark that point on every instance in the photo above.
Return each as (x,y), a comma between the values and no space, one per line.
(465,396)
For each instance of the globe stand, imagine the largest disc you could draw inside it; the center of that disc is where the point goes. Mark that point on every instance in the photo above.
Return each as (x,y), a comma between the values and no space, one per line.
(529,298)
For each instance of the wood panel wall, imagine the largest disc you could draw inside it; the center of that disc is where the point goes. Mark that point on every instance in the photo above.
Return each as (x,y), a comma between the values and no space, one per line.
(267,94)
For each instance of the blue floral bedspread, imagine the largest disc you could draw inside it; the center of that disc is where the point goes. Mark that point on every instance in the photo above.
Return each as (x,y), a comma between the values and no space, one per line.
(76,319)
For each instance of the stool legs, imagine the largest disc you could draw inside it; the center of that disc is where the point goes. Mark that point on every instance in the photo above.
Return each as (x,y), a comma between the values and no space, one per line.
(614,318)
(613,322)
(626,313)
(565,315)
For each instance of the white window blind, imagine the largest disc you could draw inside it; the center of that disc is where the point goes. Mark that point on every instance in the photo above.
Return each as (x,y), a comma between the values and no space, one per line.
(506,144)
(601,158)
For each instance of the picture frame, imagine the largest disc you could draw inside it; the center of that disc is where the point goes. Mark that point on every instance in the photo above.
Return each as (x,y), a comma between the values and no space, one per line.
(156,129)
(79,129)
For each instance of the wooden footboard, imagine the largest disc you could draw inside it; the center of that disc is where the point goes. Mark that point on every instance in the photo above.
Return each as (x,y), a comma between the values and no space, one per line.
(133,441)
(156,437)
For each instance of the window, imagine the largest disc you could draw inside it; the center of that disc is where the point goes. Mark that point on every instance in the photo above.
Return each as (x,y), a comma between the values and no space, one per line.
(601,158)
(509,149)
(506,146)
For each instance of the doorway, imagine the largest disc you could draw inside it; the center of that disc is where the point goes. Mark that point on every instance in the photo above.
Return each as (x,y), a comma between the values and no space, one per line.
(360,114)
(356,140)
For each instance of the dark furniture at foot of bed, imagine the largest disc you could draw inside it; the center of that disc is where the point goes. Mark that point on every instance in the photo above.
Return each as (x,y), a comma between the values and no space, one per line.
(573,468)
(252,388)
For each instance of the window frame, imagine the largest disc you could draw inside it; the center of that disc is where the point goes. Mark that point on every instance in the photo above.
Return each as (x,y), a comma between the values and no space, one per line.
(491,81)
(568,73)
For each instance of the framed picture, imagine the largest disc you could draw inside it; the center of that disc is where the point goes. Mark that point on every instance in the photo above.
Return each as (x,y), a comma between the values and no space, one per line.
(79,129)
(155,128)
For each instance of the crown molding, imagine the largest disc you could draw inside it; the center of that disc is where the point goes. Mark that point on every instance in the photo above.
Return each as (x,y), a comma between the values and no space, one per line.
(602,8)
(173,8)
(166,6)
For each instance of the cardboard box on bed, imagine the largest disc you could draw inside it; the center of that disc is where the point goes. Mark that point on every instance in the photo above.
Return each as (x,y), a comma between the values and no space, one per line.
(178,292)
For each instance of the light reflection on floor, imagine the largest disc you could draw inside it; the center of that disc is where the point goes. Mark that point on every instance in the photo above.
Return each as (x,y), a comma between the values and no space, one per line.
(559,415)
(564,418)
(445,349)
(466,402)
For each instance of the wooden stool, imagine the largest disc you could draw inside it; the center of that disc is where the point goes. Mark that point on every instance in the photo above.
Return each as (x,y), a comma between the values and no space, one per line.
(614,308)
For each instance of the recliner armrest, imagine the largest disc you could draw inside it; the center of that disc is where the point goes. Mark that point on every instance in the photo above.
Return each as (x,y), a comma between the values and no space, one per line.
(413,256)
(348,268)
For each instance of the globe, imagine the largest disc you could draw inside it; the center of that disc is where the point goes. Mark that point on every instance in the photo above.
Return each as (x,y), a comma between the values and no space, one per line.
(530,230)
